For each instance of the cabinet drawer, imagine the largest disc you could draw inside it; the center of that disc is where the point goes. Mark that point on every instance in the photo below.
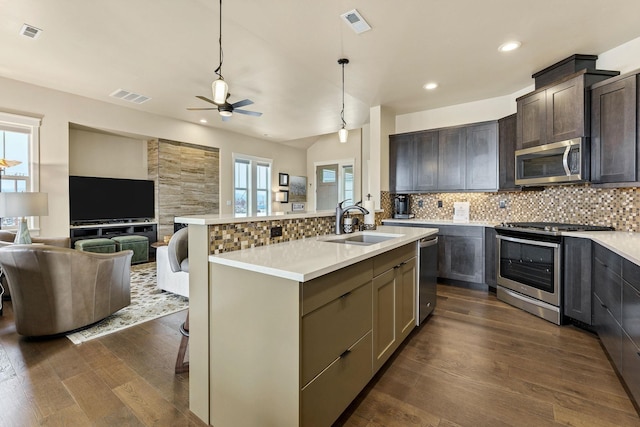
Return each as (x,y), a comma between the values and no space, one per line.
(390,259)
(324,289)
(610,259)
(631,273)
(609,331)
(631,366)
(331,329)
(608,286)
(328,395)
(631,312)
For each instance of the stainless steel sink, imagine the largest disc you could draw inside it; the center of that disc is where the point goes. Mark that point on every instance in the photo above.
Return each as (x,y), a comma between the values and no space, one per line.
(363,239)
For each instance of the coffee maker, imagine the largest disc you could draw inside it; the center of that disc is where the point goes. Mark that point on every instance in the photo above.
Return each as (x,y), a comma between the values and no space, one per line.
(401,207)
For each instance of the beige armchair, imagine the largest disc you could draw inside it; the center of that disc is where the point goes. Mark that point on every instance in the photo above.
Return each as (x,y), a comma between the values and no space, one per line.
(55,290)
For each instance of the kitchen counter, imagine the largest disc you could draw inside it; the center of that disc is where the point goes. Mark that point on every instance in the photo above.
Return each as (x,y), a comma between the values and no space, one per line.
(250,300)
(623,243)
(416,222)
(216,219)
(305,259)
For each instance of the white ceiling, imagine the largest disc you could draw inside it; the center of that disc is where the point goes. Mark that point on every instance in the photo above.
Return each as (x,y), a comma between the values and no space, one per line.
(283,54)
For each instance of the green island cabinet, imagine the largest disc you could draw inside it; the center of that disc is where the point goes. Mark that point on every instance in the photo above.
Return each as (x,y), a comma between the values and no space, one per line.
(299,353)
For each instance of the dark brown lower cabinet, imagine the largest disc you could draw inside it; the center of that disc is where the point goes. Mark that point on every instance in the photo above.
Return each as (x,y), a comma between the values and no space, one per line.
(577,279)
(616,313)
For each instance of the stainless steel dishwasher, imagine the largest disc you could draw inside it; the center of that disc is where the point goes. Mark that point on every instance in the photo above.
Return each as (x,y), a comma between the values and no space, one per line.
(428,277)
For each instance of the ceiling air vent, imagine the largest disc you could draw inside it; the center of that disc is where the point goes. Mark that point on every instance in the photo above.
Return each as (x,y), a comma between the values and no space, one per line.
(129,96)
(30,31)
(356,21)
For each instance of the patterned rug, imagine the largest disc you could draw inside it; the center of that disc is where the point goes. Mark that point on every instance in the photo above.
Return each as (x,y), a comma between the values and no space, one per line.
(147,303)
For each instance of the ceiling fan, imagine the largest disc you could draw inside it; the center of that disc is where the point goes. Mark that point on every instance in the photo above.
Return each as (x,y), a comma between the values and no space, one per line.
(226,110)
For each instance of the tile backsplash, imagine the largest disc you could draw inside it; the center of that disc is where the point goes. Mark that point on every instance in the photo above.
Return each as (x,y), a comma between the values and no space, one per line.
(584,204)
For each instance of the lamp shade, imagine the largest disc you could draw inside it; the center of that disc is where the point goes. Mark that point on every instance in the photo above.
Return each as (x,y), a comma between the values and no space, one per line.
(220,90)
(342,135)
(23,204)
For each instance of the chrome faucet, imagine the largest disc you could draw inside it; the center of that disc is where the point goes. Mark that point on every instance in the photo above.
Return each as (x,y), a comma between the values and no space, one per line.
(340,211)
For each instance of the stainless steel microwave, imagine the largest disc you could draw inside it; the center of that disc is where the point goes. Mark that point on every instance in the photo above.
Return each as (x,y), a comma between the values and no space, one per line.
(564,161)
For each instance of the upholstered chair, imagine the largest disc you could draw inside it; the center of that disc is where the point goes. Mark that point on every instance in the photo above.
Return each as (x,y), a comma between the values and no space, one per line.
(7,237)
(56,290)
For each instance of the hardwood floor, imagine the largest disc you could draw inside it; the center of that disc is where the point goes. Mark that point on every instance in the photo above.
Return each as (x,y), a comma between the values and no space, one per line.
(480,362)
(476,362)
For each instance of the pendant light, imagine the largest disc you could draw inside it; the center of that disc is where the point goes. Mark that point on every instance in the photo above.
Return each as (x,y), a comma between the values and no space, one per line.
(343,133)
(219,87)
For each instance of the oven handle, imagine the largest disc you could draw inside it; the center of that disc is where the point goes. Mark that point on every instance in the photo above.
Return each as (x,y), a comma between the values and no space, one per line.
(529,242)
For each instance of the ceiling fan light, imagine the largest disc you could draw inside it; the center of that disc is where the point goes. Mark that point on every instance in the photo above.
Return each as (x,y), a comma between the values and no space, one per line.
(342,135)
(226,113)
(220,90)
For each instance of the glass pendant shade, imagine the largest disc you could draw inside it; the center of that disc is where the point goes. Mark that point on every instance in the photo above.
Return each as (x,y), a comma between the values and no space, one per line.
(220,90)
(342,135)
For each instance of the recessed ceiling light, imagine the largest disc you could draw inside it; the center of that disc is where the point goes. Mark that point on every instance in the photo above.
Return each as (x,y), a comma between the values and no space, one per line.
(430,86)
(509,46)
(203,120)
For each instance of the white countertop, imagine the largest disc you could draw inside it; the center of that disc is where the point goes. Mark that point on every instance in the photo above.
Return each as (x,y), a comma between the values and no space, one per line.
(420,221)
(623,243)
(305,259)
(215,219)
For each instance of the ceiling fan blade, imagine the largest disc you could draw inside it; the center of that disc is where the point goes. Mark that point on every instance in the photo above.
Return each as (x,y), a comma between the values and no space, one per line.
(248,113)
(204,98)
(242,103)
(196,109)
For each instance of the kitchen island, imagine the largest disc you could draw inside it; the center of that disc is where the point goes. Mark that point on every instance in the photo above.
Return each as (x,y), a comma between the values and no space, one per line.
(289,334)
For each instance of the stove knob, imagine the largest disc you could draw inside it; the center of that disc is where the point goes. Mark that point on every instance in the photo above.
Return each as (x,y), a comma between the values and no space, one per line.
(547,228)
(554,229)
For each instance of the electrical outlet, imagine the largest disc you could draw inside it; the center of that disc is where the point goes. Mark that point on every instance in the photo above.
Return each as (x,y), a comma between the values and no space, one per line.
(228,202)
(439,203)
(420,203)
(276,231)
(502,204)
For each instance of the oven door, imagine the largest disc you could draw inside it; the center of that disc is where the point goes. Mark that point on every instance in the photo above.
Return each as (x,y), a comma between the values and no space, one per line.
(530,267)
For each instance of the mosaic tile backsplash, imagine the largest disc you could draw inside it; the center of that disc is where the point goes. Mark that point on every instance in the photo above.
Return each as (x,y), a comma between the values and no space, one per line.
(583,204)
(234,237)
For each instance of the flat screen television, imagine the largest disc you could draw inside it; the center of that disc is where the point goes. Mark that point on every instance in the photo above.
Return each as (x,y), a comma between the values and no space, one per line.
(104,200)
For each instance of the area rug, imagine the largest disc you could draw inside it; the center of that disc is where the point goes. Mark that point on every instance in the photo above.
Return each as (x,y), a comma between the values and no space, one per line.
(147,303)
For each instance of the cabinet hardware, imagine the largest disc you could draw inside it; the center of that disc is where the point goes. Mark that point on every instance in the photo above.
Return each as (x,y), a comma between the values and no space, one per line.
(345,353)
(345,295)
(638,353)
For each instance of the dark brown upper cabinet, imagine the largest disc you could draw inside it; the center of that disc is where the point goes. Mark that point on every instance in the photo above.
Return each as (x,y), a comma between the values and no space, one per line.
(506,153)
(614,136)
(413,162)
(449,159)
(558,111)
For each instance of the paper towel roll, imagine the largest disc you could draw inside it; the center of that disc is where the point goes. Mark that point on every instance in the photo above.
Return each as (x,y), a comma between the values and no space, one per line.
(369,218)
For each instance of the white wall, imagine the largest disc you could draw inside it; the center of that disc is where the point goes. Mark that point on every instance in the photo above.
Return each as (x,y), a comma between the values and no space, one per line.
(106,156)
(328,148)
(58,109)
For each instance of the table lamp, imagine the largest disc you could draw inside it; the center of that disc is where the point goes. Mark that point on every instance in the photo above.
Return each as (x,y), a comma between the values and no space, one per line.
(14,205)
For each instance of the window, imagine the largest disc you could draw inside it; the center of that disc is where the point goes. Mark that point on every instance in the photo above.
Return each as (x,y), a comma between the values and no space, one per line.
(19,136)
(334,183)
(251,185)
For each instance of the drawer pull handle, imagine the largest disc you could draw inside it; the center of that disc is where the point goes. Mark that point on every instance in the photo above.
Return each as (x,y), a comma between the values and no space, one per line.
(345,353)
(345,295)
(638,353)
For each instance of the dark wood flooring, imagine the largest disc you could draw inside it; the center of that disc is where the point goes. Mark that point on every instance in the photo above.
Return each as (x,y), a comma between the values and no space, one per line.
(476,362)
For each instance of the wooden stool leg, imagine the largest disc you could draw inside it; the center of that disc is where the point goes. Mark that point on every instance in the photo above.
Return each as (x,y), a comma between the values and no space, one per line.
(181,365)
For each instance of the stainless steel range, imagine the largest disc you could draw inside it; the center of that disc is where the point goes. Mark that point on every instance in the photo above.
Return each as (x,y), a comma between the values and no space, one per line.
(529,265)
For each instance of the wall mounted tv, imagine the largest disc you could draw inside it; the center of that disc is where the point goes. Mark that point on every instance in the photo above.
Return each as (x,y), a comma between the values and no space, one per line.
(103,200)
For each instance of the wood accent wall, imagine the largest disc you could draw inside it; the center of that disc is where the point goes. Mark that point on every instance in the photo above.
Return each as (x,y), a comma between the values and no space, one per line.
(187,180)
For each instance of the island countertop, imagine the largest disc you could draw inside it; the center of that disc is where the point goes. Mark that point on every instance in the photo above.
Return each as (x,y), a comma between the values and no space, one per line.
(305,259)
